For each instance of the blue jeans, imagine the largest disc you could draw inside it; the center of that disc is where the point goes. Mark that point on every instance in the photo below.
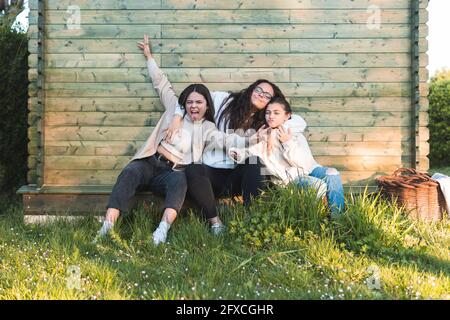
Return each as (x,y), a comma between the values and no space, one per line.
(335,190)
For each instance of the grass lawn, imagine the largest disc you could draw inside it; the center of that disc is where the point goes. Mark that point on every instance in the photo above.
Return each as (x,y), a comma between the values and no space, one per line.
(283,247)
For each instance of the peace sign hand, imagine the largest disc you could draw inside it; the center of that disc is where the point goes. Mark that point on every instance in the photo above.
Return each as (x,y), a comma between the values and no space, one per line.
(145,46)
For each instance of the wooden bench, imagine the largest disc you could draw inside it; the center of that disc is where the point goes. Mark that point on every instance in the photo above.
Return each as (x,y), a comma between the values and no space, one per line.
(51,202)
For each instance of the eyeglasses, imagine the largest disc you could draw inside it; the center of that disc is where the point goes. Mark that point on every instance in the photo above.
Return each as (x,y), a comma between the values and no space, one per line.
(259,91)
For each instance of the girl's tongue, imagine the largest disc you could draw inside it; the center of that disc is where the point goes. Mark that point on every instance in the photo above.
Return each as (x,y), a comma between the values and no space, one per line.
(195,115)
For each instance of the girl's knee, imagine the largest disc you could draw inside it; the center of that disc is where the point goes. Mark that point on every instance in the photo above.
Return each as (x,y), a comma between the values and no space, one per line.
(332,172)
(180,181)
(195,170)
(131,171)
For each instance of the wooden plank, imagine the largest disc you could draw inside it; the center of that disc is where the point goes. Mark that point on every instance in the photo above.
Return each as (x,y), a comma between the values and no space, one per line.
(355,16)
(233,31)
(101,118)
(99,31)
(107,177)
(163,45)
(32,74)
(33,118)
(131,17)
(187,16)
(354,45)
(269,60)
(424,134)
(357,119)
(220,60)
(32,89)
(97,60)
(82,201)
(424,89)
(99,148)
(230,45)
(67,204)
(423,74)
(33,105)
(351,104)
(140,75)
(87,162)
(300,104)
(336,134)
(423,119)
(32,60)
(347,162)
(281,31)
(136,119)
(64,136)
(363,163)
(230,4)
(126,144)
(368,154)
(288,4)
(290,89)
(104,104)
(350,74)
(96,4)
(225,75)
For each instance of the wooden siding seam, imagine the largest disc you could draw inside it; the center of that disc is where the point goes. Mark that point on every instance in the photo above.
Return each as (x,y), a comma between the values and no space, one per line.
(40,124)
(415,83)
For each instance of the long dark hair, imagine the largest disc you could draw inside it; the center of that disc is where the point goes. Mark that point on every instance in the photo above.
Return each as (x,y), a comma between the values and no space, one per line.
(204,91)
(238,113)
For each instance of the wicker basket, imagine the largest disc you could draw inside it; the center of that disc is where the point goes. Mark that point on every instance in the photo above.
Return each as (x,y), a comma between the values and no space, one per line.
(421,195)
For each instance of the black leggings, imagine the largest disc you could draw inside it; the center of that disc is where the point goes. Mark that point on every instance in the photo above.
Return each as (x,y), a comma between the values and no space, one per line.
(205,183)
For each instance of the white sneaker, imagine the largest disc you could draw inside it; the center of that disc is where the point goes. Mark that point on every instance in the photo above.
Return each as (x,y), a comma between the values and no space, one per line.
(217,229)
(159,236)
(104,230)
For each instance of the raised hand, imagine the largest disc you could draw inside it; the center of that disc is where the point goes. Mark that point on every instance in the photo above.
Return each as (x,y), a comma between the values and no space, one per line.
(145,46)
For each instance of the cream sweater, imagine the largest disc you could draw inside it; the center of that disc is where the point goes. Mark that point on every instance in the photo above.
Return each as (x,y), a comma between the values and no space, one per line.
(286,162)
(189,144)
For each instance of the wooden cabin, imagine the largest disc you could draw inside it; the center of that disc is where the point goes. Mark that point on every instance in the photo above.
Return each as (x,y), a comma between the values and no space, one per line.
(354,69)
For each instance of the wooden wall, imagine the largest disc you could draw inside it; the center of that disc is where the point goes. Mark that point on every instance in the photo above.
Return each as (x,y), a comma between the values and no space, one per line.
(352,84)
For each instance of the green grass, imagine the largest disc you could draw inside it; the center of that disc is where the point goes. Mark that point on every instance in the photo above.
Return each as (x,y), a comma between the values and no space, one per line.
(444,170)
(283,247)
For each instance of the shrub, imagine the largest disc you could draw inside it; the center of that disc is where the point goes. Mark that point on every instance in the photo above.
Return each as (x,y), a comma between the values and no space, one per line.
(440,119)
(13,110)
(279,216)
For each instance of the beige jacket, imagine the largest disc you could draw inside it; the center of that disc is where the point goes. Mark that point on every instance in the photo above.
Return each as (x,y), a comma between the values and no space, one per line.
(201,133)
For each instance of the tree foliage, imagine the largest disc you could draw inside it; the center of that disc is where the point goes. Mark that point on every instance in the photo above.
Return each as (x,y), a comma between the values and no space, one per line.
(440,119)
(13,109)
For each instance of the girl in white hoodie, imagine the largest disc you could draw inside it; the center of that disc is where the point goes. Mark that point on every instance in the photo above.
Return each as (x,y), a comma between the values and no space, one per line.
(288,158)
